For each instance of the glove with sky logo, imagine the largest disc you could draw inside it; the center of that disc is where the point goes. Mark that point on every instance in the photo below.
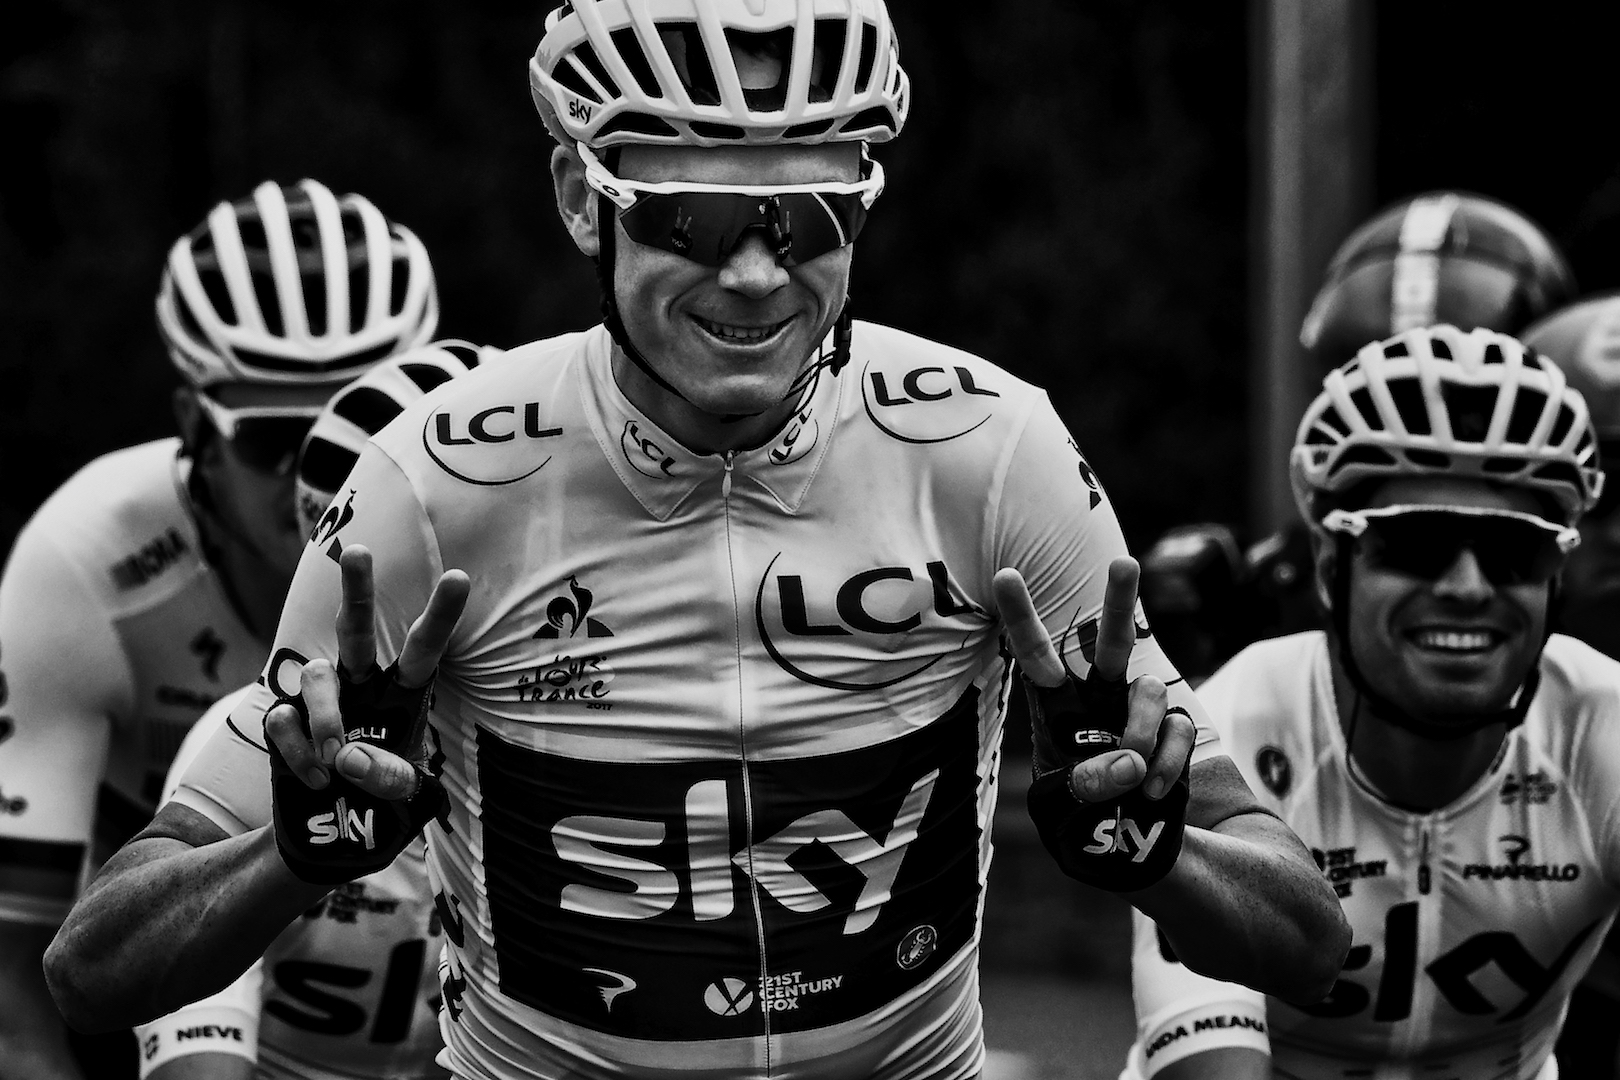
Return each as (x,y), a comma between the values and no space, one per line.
(1121,845)
(340,832)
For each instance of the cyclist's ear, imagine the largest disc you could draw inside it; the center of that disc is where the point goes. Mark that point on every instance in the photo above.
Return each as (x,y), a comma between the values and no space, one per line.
(189,420)
(1324,564)
(576,202)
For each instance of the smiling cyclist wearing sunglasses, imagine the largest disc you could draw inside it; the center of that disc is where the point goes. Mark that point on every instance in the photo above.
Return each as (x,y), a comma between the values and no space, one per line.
(1455,768)
(149,584)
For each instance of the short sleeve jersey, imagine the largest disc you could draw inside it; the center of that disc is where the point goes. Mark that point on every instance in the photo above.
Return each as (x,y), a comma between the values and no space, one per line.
(1472,923)
(115,635)
(349,991)
(720,731)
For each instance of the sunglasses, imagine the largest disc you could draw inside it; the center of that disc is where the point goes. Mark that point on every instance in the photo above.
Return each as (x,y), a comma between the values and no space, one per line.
(1512,548)
(706,222)
(265,438)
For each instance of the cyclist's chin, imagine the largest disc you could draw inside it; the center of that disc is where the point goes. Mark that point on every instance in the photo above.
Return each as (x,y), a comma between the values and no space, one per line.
(1463,684)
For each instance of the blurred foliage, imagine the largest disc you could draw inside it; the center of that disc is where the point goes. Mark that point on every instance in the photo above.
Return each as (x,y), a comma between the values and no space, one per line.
(1068,201)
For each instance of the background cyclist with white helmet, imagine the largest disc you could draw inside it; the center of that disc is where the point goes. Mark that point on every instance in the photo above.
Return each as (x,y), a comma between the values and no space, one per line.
(150,583)
(1455,769)
(717,595)
(350,990)
(1441,257)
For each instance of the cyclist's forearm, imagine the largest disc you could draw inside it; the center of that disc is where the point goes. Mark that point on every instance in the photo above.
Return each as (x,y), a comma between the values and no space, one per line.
(166,923)
(1246,904)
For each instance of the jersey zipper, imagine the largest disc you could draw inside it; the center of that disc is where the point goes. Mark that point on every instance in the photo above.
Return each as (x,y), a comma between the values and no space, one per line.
(742,753)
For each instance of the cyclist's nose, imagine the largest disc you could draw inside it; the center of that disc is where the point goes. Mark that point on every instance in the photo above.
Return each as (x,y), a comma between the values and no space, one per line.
(752,269)
(1464,580)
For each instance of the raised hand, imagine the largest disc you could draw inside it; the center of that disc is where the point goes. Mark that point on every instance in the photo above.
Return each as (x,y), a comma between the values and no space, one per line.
(369,725)
(1105,753)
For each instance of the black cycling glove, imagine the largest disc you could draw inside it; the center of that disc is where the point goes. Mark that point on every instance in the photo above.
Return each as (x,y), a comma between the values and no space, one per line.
(340,832)
(1121,845)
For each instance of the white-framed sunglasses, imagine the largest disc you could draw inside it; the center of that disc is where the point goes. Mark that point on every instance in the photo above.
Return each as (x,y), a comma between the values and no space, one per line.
(1424,540)
(266,438)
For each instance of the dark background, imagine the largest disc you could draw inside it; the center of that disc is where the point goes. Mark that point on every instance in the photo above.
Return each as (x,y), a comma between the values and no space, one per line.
(1069,199)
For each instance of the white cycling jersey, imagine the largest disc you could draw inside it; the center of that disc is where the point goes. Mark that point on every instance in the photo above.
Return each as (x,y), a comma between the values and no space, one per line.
(350,991)
(115,635)
(1472,923)
(720,732)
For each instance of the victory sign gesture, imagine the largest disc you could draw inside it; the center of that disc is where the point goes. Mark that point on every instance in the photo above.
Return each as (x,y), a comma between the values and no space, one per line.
(1111,760)
(349,755)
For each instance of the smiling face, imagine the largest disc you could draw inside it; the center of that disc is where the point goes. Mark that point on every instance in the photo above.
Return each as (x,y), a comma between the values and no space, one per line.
(1458,645)
(731,338)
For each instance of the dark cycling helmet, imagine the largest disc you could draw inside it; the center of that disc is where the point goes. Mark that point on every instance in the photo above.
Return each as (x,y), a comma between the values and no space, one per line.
(1443,257)
(1583,339)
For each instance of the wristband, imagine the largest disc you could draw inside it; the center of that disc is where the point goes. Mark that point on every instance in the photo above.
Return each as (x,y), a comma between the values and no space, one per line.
(341,832)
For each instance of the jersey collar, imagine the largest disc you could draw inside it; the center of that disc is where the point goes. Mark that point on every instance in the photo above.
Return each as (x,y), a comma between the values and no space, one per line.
(662,474)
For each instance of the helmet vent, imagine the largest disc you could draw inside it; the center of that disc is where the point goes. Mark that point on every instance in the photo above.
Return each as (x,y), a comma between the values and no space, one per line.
(1408,398)
(1429,459)
(863,72)
(808,131)
(367,408)
(426,376)
(717,131)
(1363,455)
(829,58)
(1565,421)
(1396,348)
(264,292)
(1502,465)
(325,465)
(1334,422)
(1493,354)
(1560,472)
(588,59)
(1363,402)
(871,118)
(628,48)
(760,56)
(359,293)
(1440,349)
(1470,409)
(639,123)
(399,284)
(684,43)
(1527,409)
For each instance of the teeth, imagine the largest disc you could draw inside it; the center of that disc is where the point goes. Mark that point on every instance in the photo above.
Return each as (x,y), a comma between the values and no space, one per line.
(1454,640)
(739,333)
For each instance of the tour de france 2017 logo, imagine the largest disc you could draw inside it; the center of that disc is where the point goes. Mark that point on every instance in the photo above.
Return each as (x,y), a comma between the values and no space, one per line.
(571,673)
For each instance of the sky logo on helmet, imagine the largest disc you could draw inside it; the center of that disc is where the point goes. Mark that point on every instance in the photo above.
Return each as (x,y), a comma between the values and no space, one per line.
(927,404)
(343,823)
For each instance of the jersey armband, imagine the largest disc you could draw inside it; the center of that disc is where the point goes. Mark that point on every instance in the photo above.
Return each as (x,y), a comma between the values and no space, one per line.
(1221,1025)
(203,1029)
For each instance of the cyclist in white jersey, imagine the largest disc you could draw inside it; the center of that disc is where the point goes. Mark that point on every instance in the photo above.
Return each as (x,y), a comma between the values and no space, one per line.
(149,584)
(1455,769)
(350,990)
(716,592)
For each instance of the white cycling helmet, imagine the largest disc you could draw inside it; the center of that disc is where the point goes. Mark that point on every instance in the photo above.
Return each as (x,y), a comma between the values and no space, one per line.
(294,286)
(1441,402)
(1583,339)
(363,408)
(609,72)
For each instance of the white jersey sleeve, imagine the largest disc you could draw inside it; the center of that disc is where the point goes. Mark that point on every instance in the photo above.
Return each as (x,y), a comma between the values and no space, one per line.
(1180,1013)
(1053,522)
(63,675)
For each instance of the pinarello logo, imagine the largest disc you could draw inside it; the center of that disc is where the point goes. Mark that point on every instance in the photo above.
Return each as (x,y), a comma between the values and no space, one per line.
(916,946)
(927,404)
(728,997)
(796,613)
(492,446)
(645,454)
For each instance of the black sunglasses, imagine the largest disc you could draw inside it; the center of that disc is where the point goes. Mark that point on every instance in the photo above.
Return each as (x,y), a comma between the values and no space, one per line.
(266,440)
(1512,548)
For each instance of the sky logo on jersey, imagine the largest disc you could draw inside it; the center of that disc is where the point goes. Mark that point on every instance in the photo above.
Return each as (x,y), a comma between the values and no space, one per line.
(644,453)
(927,404)
(666,871)
(343,823)
(498,445)
(796,614)
(1515,848)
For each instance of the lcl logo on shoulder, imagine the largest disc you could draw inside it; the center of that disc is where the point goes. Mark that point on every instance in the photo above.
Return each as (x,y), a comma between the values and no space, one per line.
(792,610)
(928,404)
(492,446)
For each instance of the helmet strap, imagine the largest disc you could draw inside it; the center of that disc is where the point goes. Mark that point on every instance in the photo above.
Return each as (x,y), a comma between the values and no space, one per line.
(1387,709)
